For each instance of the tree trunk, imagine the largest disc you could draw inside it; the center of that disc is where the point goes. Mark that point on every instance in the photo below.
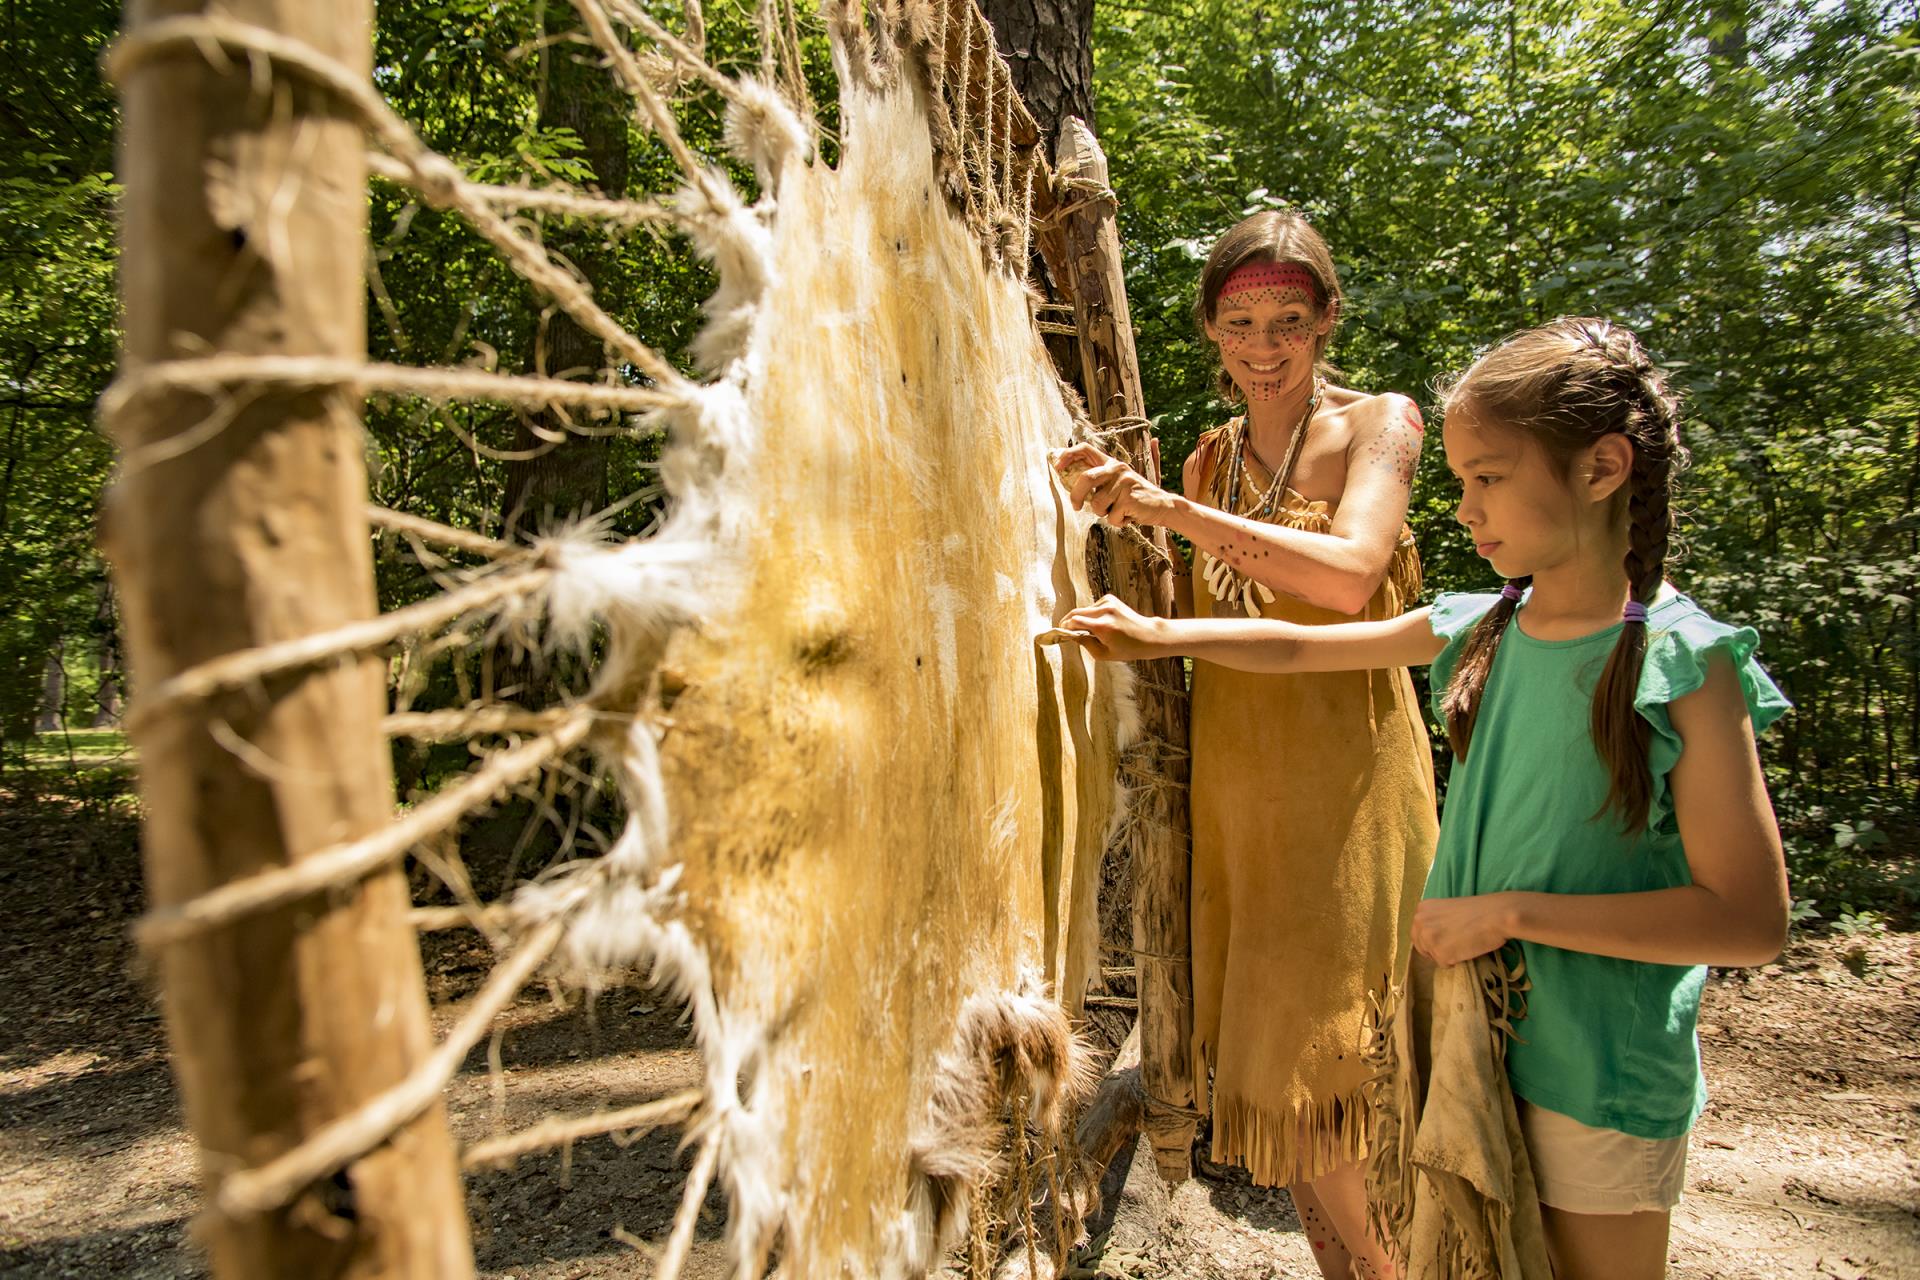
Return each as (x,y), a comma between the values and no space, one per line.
(53,695)
(245,234)
(568,478)
(1049,46)
(106,655)
(1142,576)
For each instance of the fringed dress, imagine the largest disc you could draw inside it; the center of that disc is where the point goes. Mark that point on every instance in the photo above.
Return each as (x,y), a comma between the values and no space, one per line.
(1313,828)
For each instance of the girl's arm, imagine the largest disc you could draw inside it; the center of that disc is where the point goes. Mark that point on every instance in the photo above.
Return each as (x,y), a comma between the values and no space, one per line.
(1112,632)
(1734,912)
(1337,570)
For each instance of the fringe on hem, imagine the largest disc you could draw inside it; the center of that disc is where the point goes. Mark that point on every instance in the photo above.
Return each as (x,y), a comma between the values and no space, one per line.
(1394,1096)
(1279,1149)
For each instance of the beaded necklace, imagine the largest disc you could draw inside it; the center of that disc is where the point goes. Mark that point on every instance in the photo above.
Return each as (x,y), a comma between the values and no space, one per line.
(1226,583)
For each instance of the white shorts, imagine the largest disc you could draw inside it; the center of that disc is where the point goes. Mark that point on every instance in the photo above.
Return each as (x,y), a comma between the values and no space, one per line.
(1581,1169)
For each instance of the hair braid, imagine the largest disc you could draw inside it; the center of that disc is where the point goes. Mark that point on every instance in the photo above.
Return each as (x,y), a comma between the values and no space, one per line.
(1461,702)
(1651,425)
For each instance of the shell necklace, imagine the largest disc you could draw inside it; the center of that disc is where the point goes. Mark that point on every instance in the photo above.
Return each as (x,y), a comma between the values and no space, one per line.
(1227,584)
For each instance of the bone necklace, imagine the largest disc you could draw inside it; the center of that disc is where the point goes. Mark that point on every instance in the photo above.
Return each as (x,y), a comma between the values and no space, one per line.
(1227,584)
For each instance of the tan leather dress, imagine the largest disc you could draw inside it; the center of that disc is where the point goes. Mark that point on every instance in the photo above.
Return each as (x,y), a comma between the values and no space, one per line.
(1313,828)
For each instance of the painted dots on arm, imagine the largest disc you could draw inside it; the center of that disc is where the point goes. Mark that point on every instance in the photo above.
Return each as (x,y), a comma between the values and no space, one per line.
(1397,444)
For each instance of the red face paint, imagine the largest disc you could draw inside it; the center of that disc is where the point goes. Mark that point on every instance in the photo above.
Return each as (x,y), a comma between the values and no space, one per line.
(1267,275)
(1265,323)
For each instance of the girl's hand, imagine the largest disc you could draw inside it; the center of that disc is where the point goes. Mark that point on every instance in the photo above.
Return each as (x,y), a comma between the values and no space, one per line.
(1110,488)
(1455,930)
(1112,632)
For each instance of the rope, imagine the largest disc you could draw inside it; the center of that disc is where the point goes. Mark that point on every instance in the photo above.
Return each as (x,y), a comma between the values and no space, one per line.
(498,1153)
(250,666)
(446,535)
(682,54)
(658,115)
(447,726)
(436,919)
(674,1256)
(331,1148)
(1170,957)
(1081,193)
(212,375)
(1161,1108)
(437,179)
(563,201)
(343,864)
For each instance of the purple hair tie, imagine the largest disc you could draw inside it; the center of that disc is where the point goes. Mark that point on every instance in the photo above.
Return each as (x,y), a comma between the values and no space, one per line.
(1634,612)
(1512,591)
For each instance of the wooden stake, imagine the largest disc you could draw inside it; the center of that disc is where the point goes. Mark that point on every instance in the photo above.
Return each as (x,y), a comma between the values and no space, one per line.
(1141,576)
(245,233)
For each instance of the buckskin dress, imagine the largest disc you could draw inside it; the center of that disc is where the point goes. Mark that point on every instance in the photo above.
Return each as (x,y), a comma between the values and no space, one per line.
(1313,828)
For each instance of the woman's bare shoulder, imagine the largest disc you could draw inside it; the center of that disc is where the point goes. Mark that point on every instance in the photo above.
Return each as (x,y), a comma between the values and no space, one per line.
(1371,408)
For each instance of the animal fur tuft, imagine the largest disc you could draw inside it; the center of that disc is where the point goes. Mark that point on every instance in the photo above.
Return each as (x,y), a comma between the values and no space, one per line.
(762,130)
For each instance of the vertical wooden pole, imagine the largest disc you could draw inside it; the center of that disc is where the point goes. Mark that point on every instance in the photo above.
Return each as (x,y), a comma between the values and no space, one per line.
(1144,580)
(238,521)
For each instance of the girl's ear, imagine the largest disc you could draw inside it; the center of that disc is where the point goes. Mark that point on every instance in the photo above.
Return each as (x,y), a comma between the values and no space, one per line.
(1608,466)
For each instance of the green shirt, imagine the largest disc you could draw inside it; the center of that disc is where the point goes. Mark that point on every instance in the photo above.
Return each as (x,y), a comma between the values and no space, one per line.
(1609,1042)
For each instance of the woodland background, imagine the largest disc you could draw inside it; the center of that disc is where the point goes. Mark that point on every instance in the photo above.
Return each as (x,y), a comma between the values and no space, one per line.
(1736,181)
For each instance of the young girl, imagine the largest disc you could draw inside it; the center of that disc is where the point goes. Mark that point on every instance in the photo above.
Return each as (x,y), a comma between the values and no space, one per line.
(1607,810)
(1312,795)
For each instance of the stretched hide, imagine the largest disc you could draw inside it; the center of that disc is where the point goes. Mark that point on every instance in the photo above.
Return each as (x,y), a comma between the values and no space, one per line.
(869,809)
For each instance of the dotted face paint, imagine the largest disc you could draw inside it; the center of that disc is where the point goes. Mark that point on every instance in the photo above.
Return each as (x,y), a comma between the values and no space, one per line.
(1264,324)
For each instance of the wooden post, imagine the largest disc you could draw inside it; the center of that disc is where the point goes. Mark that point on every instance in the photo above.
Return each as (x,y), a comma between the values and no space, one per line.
(1119,1108)
(1144,580)
(238,521)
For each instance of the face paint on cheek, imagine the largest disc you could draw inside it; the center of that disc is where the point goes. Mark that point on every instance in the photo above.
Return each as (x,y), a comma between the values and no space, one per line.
(1276,319)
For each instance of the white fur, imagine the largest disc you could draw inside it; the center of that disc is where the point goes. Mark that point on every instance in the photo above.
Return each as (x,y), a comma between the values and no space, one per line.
(763,131)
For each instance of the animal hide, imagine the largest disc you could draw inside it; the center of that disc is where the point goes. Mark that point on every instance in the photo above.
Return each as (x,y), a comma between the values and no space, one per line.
(868,807)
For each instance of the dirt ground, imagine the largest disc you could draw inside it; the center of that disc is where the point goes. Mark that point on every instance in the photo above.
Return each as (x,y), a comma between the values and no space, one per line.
(1802,1166)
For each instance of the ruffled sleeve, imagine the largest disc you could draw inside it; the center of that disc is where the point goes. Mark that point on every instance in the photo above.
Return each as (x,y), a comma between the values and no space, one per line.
(1452,617)
(1676,665)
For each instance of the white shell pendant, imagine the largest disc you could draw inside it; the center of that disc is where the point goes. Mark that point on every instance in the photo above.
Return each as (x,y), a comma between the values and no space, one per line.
(1229,587)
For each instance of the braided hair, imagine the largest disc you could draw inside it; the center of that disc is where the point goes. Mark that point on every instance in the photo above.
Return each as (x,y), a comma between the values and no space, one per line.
(1568,384)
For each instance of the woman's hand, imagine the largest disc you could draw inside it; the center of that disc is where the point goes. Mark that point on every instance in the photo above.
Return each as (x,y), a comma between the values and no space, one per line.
(1110,488)
(1112,632)
(1455,930)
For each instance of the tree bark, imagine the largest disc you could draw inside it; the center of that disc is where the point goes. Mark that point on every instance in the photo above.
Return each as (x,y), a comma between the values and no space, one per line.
(53,693)
(1142,576)
(245,233)
(568,477)
(1048,44)
(106,653)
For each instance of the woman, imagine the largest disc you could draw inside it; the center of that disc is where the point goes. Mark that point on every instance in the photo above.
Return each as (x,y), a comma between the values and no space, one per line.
(1313,803)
